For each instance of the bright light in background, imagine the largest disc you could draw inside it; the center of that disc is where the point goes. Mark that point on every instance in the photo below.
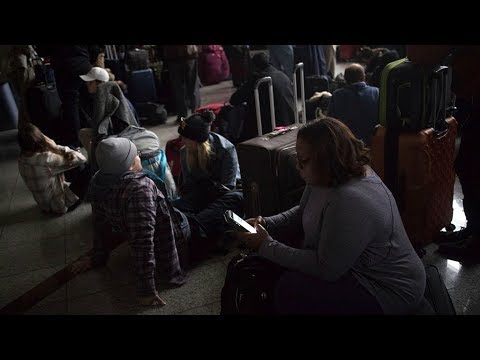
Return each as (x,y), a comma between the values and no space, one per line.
(459,218)
(454,265)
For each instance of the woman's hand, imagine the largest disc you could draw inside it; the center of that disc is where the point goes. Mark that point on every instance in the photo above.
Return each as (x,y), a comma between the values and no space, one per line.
(254,241)
(255,221)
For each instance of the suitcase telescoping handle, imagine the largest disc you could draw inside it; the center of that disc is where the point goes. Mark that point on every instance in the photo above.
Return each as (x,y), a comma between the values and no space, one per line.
(111,52)
(440,81)
(299,67)
(266,79)
(108,55)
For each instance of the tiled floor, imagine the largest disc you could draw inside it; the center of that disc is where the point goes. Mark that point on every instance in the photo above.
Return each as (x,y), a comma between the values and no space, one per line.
(33,246)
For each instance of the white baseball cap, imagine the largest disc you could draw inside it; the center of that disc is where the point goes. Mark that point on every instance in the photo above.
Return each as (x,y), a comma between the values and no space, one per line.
(96,73)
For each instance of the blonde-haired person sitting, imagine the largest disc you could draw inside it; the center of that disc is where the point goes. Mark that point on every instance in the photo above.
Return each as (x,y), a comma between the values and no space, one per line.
(210,174)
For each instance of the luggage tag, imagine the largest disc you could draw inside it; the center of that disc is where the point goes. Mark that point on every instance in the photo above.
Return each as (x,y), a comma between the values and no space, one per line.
(279,131)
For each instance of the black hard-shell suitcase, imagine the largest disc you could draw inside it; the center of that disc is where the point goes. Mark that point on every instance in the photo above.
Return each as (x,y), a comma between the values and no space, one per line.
(137,59)
(271,182)
(414,97)
(402,96)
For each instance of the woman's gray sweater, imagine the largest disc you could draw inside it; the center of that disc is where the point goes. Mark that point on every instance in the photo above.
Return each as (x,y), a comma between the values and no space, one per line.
(355,227)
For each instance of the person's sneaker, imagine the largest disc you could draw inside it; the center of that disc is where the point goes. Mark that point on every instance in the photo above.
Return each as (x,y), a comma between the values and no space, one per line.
(457,244)
(453,236)
(466,251)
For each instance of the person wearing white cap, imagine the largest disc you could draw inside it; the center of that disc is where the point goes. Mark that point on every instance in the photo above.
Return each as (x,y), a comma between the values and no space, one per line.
(125,199)
(96,73)
(109,112)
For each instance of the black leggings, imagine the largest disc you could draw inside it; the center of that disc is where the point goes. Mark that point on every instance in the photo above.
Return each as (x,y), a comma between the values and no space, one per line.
(80,179)
(297,293)
(210,214)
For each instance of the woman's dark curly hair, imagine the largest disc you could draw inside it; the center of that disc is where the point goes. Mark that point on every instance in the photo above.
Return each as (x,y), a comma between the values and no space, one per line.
(334,144)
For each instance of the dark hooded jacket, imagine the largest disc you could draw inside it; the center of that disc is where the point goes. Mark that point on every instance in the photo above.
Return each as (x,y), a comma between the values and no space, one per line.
(283,101)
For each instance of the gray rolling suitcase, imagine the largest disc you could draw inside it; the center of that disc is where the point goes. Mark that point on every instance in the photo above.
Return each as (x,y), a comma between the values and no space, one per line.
(271,182)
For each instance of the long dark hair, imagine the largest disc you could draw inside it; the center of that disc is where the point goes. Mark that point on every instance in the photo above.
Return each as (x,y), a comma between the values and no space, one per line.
(32,140)
(335,146)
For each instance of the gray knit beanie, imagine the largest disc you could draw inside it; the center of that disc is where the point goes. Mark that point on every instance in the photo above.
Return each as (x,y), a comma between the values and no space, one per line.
(115,155)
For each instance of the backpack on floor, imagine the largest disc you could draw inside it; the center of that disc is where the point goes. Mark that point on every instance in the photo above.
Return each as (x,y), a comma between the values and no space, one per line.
(249,285)
(154,160)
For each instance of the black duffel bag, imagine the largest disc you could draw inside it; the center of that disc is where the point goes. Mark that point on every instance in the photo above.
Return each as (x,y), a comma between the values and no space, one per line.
(249,286)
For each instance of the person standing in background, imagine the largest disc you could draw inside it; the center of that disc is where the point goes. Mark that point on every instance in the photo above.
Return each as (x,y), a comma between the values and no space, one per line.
(239,59)
(183,70)
(281,57)
(330,59)
(69,62)
(21,75)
